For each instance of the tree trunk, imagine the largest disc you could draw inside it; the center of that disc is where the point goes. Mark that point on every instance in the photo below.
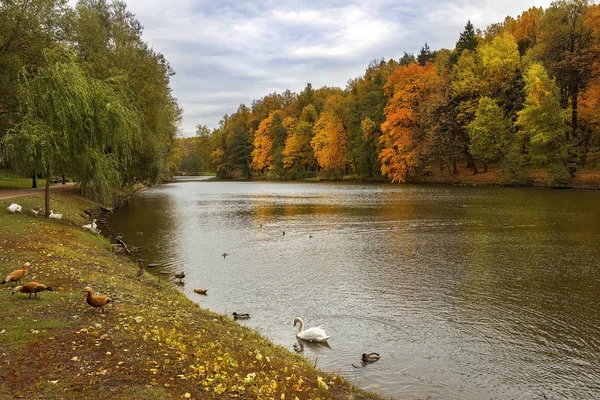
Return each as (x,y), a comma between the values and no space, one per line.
(485,167)
(454,167)
(64,181)
(574,112)
(470,160)
(47,193)
(585,148)
(33,181)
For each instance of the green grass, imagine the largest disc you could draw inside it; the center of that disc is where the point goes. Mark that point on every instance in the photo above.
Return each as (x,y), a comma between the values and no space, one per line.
(11,180)
(152,342)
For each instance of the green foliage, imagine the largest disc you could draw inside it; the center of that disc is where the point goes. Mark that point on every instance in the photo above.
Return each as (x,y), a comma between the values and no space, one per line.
(559,175)
(541,121)
(73,124)
(489,132)
(513,169)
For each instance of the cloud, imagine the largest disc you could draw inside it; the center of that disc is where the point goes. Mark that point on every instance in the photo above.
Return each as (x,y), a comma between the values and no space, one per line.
(230,52)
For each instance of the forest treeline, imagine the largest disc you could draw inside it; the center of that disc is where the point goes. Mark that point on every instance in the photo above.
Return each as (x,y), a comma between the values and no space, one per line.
(521,94)
(82,95)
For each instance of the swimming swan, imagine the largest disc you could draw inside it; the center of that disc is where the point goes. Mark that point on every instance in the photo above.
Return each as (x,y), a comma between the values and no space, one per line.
(316,334)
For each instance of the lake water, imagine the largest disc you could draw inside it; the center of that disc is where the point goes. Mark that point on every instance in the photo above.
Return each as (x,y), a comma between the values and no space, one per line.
(466,293)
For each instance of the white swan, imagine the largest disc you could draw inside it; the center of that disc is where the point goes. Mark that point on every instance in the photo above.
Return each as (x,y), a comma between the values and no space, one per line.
(14,208)
(55,216)
(316,334)
(94,224)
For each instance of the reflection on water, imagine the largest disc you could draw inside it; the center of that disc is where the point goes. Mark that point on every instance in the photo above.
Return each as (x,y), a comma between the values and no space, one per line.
(467,293)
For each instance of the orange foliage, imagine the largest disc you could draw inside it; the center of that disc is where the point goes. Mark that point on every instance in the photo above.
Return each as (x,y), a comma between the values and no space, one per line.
(411,90)
(330,143)
(262,159)
(526,28)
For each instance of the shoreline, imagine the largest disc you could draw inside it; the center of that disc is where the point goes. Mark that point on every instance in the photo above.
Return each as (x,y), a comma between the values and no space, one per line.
(152,342)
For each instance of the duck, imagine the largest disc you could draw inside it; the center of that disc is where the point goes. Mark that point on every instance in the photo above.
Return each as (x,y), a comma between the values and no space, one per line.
(140,270)
(94,225)
(36,211)
(97,301)
(180,275)
(225,255)
(17,274)
(14,208)
(201,291)
(31,288)
(316,334)
(55,216)
(241,315)
(370,357)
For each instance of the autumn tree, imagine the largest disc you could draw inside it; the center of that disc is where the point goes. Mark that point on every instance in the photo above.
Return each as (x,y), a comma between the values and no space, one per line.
(411,90)
(568,51)
(467,87)
(298,154)
(330,143)
(541,122)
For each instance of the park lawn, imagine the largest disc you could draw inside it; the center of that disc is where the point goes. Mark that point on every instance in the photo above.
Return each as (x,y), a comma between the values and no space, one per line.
(10,180)
(152,342)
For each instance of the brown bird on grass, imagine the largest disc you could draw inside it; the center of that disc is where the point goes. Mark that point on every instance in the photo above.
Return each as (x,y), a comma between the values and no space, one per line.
(17,274)
(97,300)
(31,288)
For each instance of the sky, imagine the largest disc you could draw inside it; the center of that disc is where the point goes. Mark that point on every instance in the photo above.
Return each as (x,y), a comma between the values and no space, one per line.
(229,52)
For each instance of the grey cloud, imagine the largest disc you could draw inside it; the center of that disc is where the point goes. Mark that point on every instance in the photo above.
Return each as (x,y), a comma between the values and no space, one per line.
(229,52)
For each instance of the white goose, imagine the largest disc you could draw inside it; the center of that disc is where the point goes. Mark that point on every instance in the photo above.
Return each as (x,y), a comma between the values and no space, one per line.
(14,208)
(316,334)
(55,216)
(90,227)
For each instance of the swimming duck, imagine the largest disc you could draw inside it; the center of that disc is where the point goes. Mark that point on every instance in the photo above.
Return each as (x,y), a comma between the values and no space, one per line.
(225,255)
(14,208)
(241,316)
(180,276)
(31,288)
(55,216)
(315,334)
(201,291)
(97,300)
(17,274)
(370,357)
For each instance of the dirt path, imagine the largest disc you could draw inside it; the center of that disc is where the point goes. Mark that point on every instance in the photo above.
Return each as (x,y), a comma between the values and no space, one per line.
(10,193)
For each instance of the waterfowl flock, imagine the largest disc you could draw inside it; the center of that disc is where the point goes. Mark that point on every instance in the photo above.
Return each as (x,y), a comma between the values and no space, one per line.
(33,288)
(312,335)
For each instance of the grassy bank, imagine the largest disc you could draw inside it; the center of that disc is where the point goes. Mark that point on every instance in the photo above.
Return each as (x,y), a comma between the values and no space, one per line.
(152,342)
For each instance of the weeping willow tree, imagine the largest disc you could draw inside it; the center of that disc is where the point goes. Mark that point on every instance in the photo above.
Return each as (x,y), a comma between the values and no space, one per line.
(73,124)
